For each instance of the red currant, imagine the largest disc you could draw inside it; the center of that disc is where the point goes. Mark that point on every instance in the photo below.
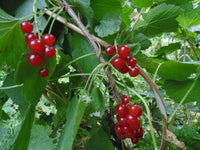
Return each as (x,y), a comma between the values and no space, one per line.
(122,136)
(110,50)
(36,45)
(139,132)
(134,140)
(49,52)
(132,121)
(135,110)
(130,134)
(35,59)
(131,62)
(26,26)
(118,63)
(124,70)
(119,129)
(121,110)
(43,72)
(134,72)
(48,39)
(125,100)
(31,36)
(124,51)
(121,121)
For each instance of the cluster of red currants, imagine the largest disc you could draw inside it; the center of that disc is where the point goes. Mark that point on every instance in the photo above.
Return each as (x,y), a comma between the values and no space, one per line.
(128,124)
(39,48)
(123,62)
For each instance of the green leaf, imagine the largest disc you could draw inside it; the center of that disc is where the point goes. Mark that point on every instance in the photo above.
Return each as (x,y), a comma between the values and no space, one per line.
(168,49)
(23,137)
(99,141)
(176,90)
(15,94)
(33,84)
(12,43)
(125,16)
(74,114)
(84,9)
(79,46)
(142,3)
(97,101)
(40,138)
(161,18)
(189,18)
(26,8)
(109,25)
(179,2)
(143,40)
(176,70)
(103,7)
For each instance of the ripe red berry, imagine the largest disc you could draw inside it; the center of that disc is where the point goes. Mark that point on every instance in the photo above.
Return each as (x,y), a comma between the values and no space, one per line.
(124,51)
(26,26)
(122,136)
(134,140)
(121,121)
(118,63)
(48,39)
(124,70)
(131,62)
(49,52)
(43,72)
(36,45)
(134,72)
(121,110)
(135,110)
(119,129)
(139,132)
(110,50)
(35,59)
(132,121)
(31,36)
(125,100)
(130,134)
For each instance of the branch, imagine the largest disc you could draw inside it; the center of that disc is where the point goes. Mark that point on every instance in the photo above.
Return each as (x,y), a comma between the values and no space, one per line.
(138,18)
(94,46)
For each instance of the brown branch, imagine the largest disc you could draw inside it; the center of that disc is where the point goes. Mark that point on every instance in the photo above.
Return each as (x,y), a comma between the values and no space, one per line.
(82,140)
(138,18)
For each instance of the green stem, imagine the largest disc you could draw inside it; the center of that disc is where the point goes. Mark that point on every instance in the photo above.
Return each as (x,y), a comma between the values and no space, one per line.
(155,75)
(183,99)
(148,113)
(56,9)
(10,87)
(35,18)
(54,19)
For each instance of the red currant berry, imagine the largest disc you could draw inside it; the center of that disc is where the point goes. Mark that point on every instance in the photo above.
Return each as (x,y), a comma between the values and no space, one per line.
(122,136)
(110,50)
(121,121)
(26,26)
(139,132)
(36,45)
(49,52)
(125,100)
(131,62)
(48,39)
(119,129)
(124,51)
(126,129)
(118,63)
(135,110)
(124,70)
(31,36)
(132,121)
(134,72)
(35,59)
(121,110)
(134,140)
(130,134)
(43,72)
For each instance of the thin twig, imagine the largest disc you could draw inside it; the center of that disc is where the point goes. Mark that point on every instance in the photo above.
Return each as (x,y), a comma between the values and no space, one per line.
(138,18)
